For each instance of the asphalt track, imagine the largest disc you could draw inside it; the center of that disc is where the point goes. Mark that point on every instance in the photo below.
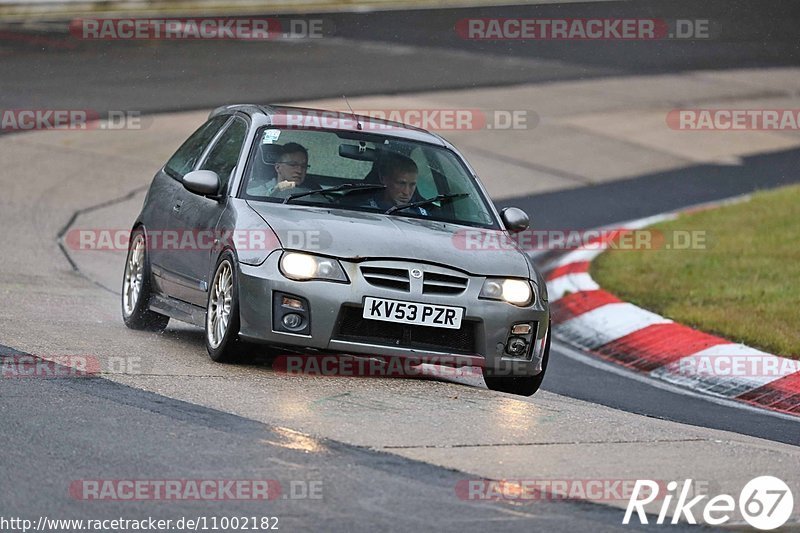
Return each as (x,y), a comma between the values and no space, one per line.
(144,434)
(159,76)
(148,436)
(148,76)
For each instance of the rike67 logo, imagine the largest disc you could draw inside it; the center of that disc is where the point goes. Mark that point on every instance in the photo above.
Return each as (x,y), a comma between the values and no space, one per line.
(765,503)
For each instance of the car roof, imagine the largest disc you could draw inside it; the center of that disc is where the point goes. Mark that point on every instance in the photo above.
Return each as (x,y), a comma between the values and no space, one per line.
(398,129)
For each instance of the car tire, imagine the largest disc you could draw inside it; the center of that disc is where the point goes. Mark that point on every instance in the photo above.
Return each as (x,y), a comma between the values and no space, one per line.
(523,385)
(136,288)
(222,313)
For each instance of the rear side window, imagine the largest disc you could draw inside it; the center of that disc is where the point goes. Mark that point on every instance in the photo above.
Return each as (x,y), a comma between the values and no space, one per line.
(190,151)
(225,154)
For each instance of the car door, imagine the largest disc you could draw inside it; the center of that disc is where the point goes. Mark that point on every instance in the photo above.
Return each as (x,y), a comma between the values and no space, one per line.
(168,183)
(195,217)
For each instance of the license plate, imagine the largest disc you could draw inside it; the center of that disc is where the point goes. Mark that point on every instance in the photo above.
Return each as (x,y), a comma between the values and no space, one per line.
(437,316)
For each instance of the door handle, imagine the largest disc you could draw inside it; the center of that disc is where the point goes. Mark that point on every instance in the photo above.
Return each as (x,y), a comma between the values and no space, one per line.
(177,206)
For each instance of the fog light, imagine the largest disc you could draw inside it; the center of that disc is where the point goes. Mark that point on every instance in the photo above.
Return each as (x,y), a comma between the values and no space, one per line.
(520,329)
(290,314)
(292,321)
(292,303)
(516,346)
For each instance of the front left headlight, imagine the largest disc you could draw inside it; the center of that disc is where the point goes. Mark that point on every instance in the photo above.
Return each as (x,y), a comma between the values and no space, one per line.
(513,291)
(306,267)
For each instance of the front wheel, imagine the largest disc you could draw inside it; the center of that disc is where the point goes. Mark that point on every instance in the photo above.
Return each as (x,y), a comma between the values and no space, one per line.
(222,313)
(522,385)
(136,288)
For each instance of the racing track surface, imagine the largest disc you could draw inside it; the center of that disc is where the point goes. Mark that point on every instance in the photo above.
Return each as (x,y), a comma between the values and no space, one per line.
(149,436)
(168,412)
(381,52)
(377,445)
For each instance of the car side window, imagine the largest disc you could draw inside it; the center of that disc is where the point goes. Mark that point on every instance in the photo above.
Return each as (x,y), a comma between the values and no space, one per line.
(190,151)
(224,155)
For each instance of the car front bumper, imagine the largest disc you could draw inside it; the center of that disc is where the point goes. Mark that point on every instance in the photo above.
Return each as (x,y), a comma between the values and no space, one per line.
(336,325)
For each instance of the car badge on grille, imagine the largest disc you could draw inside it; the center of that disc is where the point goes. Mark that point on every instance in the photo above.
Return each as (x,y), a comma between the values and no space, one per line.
(416,273)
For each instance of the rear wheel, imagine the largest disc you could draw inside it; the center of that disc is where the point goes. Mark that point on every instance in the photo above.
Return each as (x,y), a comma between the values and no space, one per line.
(222,314)
(136,288)
(521,385)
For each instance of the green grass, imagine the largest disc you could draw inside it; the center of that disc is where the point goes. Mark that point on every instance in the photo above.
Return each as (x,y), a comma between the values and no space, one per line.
(744,285)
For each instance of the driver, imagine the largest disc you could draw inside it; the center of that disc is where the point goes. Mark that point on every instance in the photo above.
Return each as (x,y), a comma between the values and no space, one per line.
(399,174)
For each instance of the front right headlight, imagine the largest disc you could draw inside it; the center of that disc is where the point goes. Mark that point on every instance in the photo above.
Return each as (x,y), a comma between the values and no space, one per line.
(511,290)
(305,267)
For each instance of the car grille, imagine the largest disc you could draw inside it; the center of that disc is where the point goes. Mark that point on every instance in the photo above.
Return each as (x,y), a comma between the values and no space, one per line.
(353,327)
(435,283)
(390,278)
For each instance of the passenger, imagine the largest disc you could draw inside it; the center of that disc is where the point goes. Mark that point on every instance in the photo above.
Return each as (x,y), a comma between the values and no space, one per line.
(399,174)
(291,169)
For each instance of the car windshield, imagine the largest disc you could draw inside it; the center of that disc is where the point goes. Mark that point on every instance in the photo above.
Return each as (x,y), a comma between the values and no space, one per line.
(364,172)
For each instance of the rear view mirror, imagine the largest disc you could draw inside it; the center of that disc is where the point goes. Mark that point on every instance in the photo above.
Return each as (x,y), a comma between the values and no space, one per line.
(203,182)
(360,153)
(515,219)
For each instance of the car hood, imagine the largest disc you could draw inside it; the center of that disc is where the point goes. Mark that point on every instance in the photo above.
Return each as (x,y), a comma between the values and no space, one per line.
(358,235)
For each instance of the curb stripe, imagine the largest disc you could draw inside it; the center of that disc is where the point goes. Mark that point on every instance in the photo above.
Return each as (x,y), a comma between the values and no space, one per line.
(571,268)
(608,323)
(576,256)
(657,345)
(571,283)
(685,372)
(781,395)
(577,303)
(693,371)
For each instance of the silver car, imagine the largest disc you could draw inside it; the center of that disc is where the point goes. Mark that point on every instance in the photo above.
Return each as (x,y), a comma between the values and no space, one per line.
(319,232)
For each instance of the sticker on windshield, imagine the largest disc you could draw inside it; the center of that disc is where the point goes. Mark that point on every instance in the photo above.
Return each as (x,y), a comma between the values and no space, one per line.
(270,136)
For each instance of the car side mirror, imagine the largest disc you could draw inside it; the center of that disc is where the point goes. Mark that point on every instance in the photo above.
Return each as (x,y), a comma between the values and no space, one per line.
(515,219)
(203,182)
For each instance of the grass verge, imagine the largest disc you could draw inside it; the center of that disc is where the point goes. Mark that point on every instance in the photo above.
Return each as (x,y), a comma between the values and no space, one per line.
(743,283)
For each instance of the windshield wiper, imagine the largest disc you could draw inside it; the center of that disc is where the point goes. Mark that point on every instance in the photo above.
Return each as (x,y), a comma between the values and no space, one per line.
(347,187)
(439,198)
